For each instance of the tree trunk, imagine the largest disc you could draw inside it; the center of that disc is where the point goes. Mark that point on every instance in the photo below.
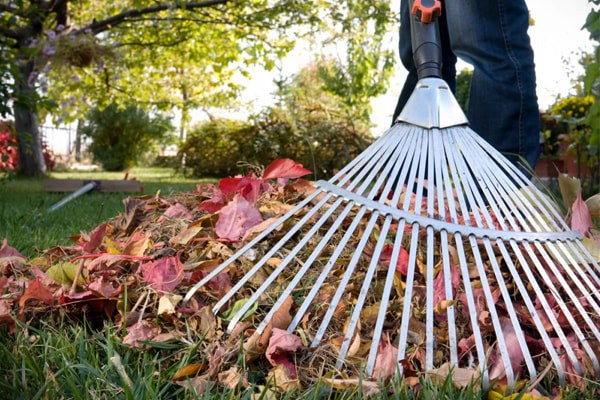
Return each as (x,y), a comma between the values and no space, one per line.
(31,157)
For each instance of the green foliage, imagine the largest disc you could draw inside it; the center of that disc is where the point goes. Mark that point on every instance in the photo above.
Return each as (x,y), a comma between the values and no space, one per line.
(572,113)
(463,87)
(309,125)
(592,74)
(121,138)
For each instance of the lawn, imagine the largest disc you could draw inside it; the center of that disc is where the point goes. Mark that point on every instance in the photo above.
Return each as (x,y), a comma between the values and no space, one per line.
(26,224)
(59,357)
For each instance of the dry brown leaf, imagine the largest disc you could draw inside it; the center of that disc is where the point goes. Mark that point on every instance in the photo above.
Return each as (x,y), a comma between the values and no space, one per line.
(593,204)
(207,322)
(593,246)
(460,377)
(569,189)
(282,380)
(167,303)
(264,394)
(199,385)
(281,320)
(369,388)
(232,378)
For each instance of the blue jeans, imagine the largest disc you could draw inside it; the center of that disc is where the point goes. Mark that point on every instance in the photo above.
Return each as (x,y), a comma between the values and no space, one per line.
(492,36)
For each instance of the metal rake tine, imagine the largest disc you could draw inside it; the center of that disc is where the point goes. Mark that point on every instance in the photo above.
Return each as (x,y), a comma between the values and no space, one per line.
(249,245)
(348,338)
(345,279)
(325,272)
(284,263)
(429,336)
(493,312)
(516,202)
(509,306)
(529,304)
(568,288)
(589,289)
(389,280)
(386,153)
(412,258)
(554,291)
(382,151)
(305,267)
(537,199)
(367,158)
(248,275)
(542,298)
(461,255)
(406,307)
(443,185)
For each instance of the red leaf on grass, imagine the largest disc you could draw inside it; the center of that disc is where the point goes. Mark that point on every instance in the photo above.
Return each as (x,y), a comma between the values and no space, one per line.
(164,274)
(284,168)
(236,218)
(36,291)
(140,331)
(280,346)
(581,219)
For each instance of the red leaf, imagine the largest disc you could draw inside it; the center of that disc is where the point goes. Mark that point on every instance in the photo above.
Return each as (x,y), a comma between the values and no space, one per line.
(176,211)
(280,346)
(386,361)
(581,220)
(143,331)
(498,370)
(163,274)
(8,251)
(236,218)
(402,261)
(95,239)
(284,168)
(6,312)
(247,186)
(36,291)
(215,203)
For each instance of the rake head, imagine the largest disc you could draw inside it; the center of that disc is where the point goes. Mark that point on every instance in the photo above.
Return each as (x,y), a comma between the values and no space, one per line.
(430,242)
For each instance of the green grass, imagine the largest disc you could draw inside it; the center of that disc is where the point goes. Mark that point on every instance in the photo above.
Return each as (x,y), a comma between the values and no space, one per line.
(26,224)
(58,358)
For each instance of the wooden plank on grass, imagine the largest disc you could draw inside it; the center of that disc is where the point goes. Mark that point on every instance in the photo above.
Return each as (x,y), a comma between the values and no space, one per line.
(71,185)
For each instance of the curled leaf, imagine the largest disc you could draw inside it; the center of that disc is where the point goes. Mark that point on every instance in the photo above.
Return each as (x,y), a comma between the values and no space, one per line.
(284,168)
(236,218)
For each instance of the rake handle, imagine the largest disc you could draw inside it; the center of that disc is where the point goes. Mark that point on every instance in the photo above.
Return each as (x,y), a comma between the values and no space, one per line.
(425,37)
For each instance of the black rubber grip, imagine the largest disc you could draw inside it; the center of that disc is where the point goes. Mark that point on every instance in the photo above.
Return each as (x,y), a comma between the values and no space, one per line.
(427,51)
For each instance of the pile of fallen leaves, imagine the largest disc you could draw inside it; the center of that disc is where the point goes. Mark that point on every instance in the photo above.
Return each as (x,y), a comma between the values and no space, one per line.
(134,270)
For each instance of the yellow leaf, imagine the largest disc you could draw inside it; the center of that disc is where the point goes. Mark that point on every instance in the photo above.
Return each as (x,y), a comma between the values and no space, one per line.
(64,273)
(593,246)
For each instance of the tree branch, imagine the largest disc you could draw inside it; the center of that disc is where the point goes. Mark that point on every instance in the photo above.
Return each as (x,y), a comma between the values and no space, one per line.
(103,25)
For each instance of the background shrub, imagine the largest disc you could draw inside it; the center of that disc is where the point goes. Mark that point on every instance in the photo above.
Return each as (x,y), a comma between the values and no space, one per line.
(123,138)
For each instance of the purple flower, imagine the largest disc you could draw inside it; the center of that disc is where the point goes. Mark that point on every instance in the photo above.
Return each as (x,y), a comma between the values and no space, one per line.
(48,50)
(88,30)
(75,78)
(60,27)
(50,33)
(33,43)
(32,78)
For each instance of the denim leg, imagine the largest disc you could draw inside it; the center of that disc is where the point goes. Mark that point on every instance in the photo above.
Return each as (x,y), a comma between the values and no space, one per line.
(448,58)
(492,36)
